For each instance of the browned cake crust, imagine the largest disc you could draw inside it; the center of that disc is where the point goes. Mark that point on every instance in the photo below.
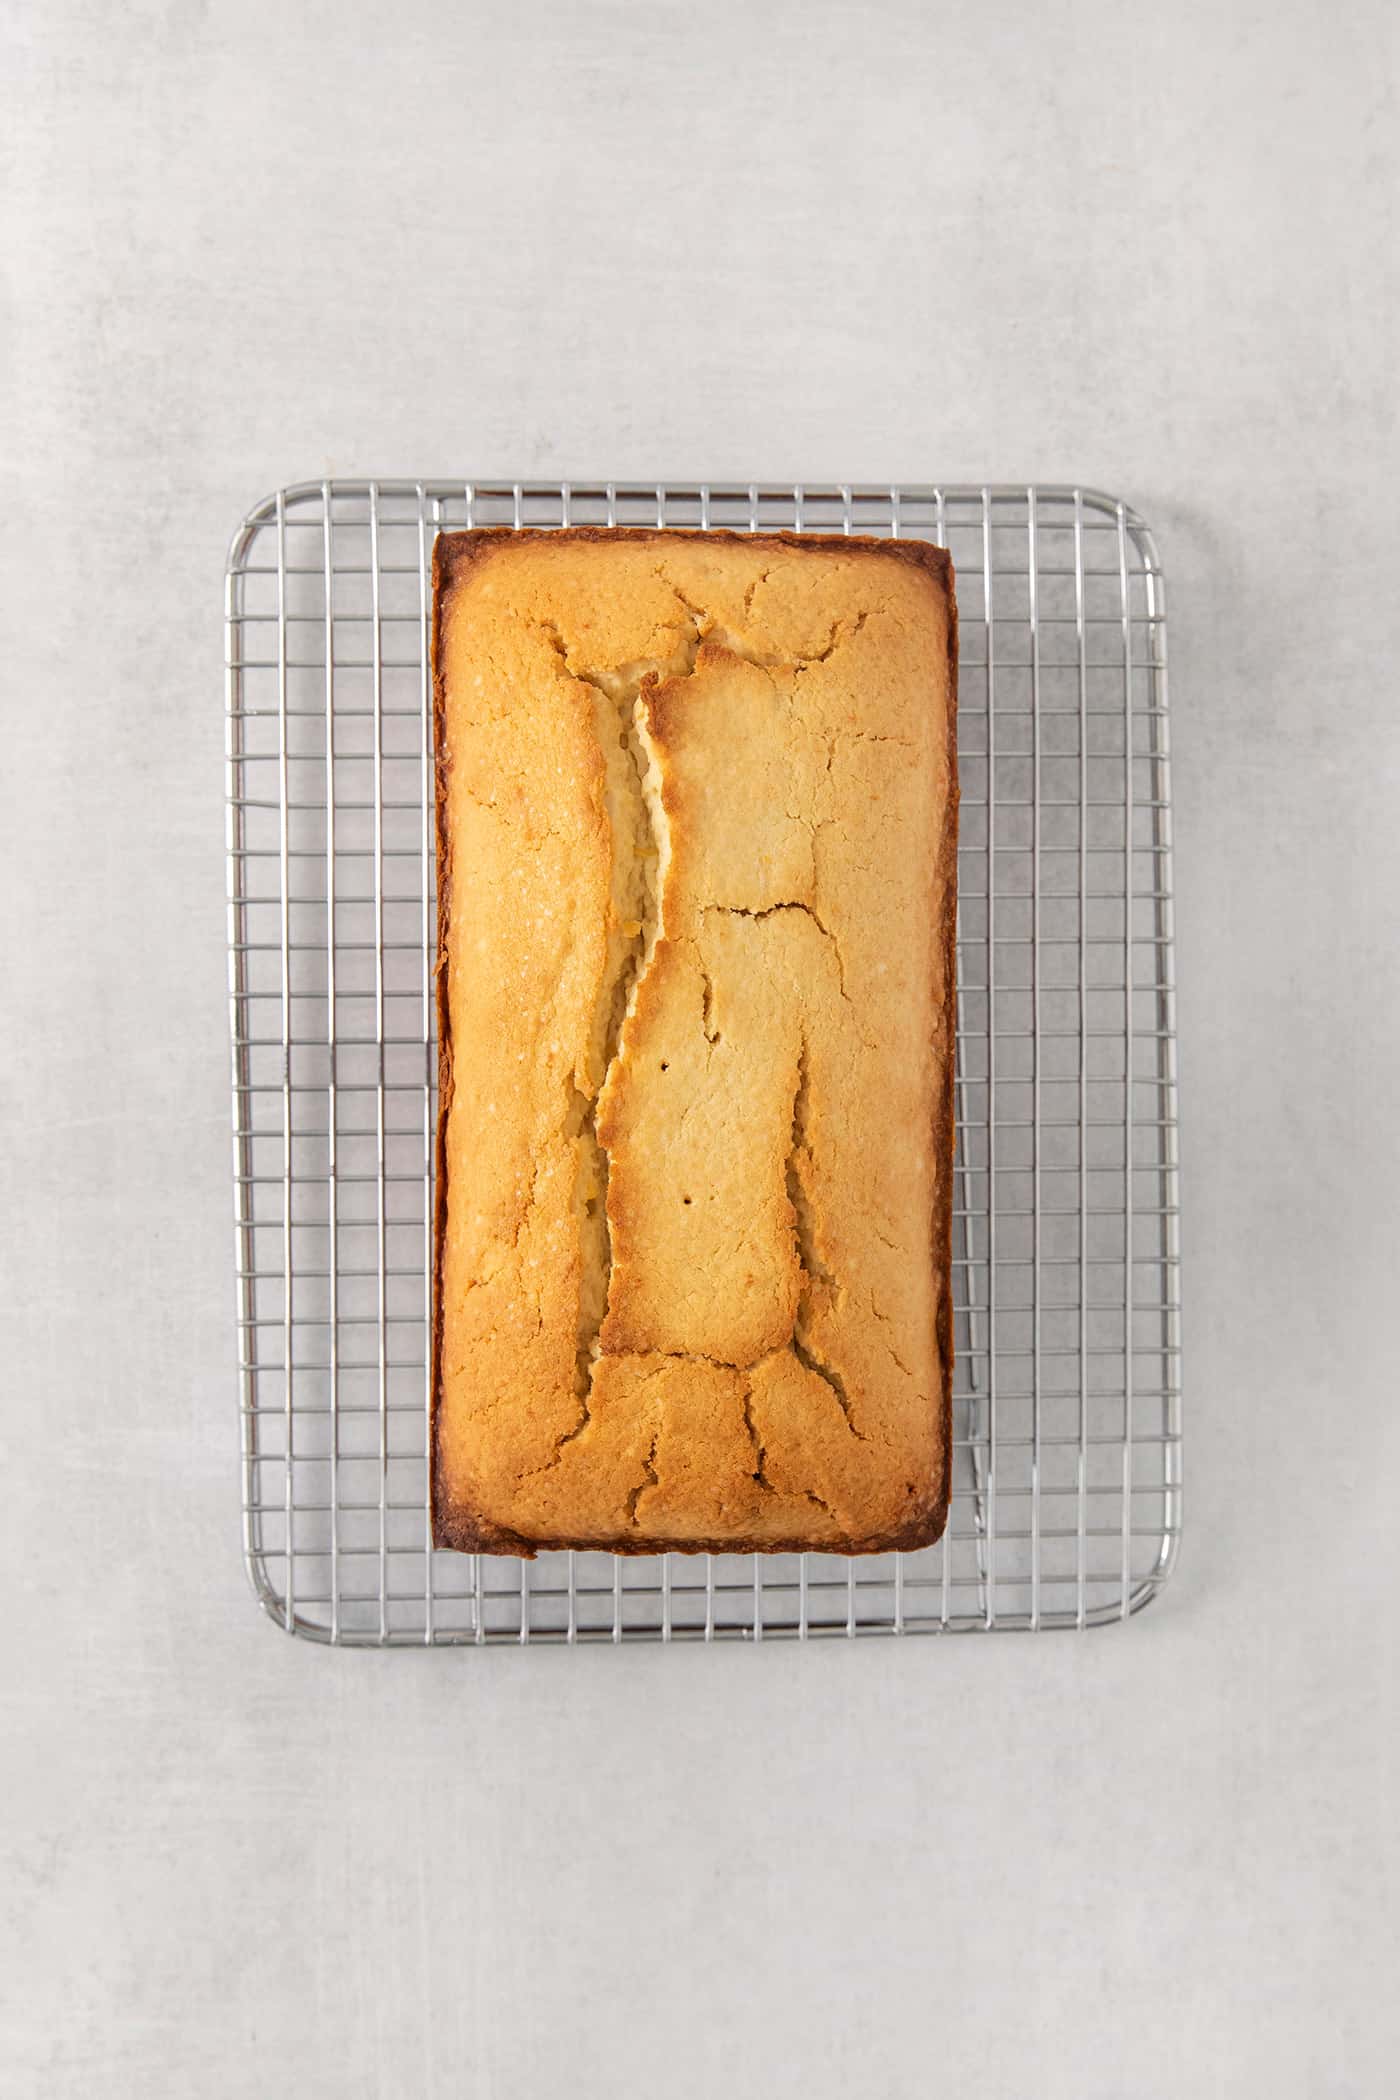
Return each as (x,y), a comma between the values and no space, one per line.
(696,878)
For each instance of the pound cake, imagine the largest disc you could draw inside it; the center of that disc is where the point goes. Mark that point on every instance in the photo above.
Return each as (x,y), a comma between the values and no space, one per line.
(696,837)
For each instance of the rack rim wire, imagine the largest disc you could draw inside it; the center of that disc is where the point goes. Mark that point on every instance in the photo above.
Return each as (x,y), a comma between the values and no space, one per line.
(1067,1497)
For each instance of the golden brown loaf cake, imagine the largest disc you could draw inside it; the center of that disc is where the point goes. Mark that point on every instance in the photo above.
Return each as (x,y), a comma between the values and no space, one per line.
(697,813)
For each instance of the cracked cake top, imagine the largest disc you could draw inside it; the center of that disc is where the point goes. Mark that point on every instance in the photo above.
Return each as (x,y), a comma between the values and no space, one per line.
(696,881)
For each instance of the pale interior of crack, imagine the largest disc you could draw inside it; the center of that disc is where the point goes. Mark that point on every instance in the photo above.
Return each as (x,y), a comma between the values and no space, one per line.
(648,1480)
(814,1269)
(759,1453)
(809,1256)
(640,853)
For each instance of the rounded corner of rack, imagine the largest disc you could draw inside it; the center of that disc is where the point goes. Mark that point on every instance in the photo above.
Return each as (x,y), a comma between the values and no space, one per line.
(255,520)
(270,1600)
(1154,1583)
(264,514)
(1135,527)
(1143,1593)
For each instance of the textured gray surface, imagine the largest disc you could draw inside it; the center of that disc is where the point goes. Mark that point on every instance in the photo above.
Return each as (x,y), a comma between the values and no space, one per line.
(1155,253)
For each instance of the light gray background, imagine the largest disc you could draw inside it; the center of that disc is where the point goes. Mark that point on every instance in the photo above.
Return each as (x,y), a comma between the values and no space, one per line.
(1150,249)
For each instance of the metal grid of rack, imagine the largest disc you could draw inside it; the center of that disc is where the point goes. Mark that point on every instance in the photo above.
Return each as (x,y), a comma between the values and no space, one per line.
(1066,1506)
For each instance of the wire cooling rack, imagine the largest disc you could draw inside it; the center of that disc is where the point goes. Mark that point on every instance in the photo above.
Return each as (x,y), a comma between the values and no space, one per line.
(1066,1492)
